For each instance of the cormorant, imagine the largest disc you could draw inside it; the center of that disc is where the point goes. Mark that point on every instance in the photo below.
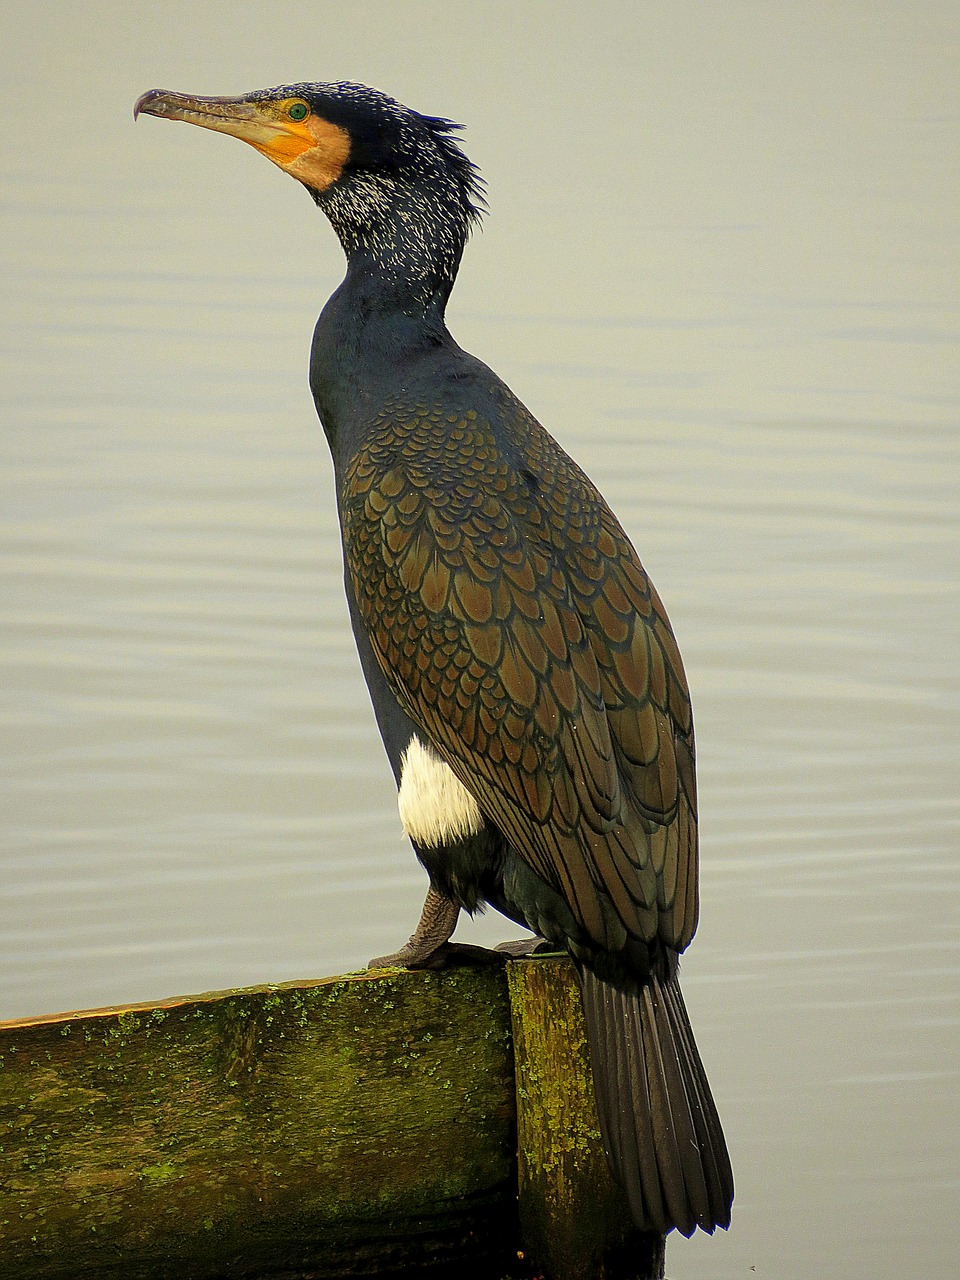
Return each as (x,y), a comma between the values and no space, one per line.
(522,669)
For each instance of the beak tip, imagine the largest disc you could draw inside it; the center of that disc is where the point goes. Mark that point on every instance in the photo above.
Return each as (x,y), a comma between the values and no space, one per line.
(211,113)
(144,101)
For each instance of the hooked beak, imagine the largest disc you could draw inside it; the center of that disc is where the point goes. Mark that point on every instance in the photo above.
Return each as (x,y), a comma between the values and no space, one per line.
(280,139)
(285,129)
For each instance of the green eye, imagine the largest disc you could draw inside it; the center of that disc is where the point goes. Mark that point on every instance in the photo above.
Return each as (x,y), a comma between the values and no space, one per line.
(299,111)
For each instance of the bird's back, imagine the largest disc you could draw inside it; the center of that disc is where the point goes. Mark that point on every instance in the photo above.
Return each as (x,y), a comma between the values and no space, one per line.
(519,631)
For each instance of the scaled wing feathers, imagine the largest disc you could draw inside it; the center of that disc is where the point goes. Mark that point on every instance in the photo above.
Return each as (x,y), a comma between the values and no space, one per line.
(518,629)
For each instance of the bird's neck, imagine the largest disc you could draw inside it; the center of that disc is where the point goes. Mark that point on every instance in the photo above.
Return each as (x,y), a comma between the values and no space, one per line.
(388,291)
(403,250)
(403,241)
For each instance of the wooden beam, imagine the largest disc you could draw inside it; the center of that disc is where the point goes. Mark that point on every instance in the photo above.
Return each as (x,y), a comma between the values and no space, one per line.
(355,1126)
(345,1127)
(574,1220)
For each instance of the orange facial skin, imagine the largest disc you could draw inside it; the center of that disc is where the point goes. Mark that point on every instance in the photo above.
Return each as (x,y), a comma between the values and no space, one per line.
(286,131)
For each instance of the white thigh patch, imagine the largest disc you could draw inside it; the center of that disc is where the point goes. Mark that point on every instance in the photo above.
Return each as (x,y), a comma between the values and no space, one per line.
(435,807)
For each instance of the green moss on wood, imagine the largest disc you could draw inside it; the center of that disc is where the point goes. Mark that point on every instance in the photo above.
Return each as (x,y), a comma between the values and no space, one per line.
(574,1219)
(351,1126)
(319,1124)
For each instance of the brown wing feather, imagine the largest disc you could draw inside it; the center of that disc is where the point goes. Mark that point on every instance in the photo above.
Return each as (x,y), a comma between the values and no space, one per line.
(517,627)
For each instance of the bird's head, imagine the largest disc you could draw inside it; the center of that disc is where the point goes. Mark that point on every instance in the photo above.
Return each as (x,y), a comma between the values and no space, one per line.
(356,150)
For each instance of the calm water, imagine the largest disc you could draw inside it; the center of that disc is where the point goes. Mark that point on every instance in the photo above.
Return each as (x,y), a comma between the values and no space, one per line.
(722,266)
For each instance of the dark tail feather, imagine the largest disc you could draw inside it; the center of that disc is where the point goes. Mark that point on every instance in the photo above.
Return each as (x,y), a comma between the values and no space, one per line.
(659,1123)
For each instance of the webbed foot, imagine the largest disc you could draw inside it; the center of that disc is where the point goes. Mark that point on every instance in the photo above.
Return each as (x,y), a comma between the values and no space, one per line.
(521,948)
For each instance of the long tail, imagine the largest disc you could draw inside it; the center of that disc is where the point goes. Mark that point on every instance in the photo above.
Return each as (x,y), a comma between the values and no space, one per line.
(660,1127)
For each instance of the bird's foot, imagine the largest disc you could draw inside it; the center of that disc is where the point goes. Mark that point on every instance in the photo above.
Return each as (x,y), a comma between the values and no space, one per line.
(425,947)
(448,955)
(522,948)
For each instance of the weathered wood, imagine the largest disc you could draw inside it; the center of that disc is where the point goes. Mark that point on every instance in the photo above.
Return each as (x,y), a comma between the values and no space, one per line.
(356,1126)
(337,1128)
(574,1219)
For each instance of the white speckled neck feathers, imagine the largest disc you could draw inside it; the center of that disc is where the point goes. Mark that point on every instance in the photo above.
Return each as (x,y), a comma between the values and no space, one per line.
(403,216)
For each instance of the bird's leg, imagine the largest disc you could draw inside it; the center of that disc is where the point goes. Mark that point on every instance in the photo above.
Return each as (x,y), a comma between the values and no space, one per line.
(437,922)
(429,947)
